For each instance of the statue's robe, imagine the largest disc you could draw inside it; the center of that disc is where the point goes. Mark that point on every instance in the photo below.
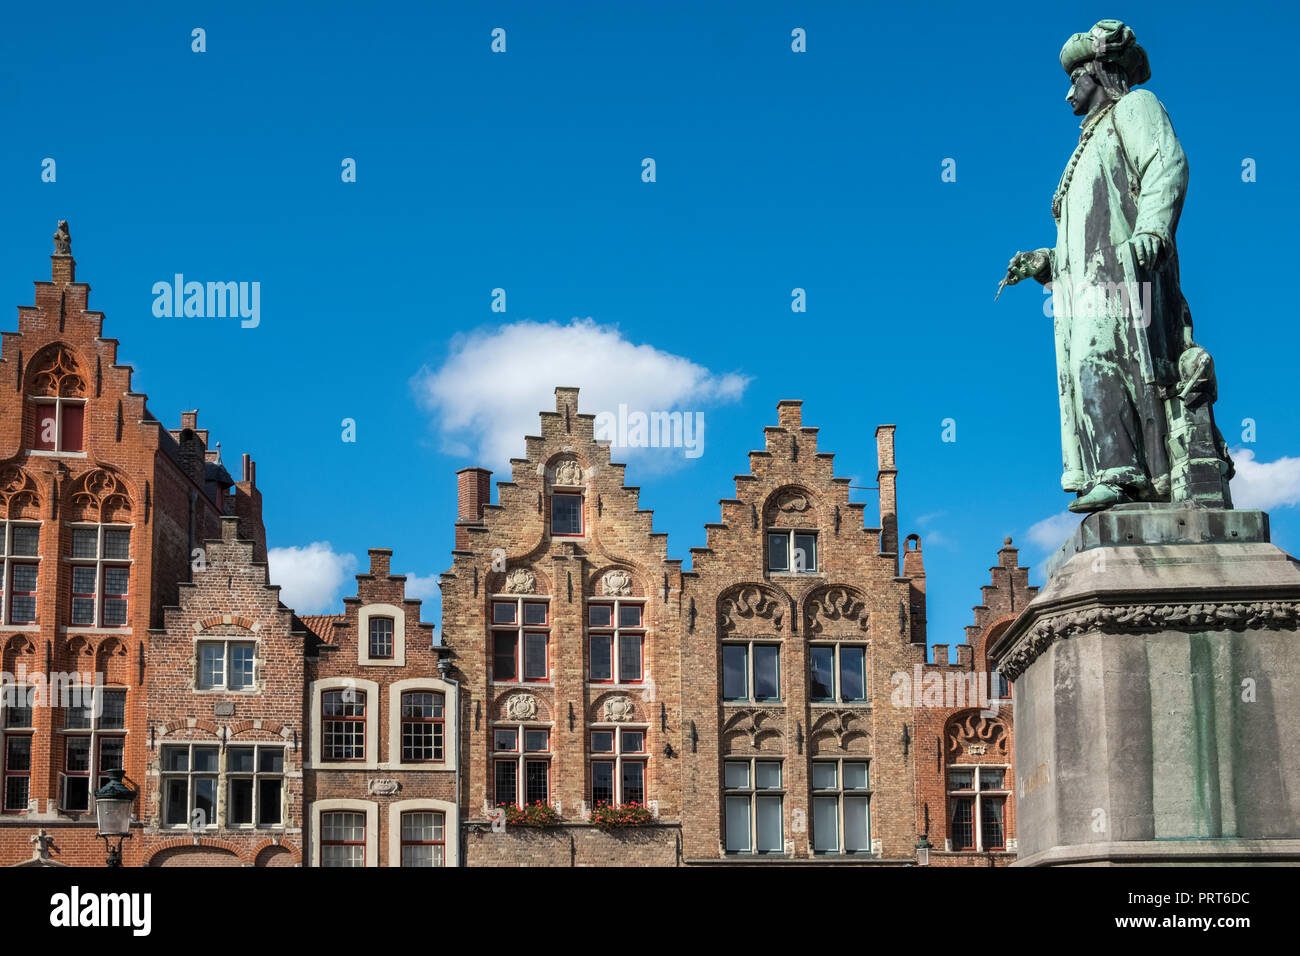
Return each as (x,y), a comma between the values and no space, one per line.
(1120,327)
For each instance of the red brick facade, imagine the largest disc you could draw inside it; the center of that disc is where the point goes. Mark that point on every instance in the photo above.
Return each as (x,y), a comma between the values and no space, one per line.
(774,704)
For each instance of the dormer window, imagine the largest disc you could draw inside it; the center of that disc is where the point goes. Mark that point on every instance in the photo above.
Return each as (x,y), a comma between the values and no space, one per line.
(792,552)
(566,514)
(60,425)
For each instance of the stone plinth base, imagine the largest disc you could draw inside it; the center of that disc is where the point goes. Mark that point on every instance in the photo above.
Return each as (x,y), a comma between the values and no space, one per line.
(1156,683)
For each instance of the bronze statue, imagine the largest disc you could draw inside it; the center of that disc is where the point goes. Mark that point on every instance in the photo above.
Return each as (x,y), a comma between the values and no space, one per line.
(1135,389)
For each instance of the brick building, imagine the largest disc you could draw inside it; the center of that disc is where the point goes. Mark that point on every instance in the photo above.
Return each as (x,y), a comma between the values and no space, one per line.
(100,509)
(759,689)
(380,718)
(224,781)
(562,611)
(746,711)
(965,734)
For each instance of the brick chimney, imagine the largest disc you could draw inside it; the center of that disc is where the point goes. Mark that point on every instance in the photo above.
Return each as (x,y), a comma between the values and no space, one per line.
(887,478)
(914,569)
(380,561)
(473,491)
(248,506)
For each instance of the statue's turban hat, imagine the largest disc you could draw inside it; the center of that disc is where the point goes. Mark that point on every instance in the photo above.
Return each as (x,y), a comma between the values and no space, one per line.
(1110,41)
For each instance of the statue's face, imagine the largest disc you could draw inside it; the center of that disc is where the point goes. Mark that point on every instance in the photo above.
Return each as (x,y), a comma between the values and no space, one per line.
(1085,92)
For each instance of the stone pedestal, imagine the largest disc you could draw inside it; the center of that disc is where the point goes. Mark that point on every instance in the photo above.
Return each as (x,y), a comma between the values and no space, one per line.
(1156,683)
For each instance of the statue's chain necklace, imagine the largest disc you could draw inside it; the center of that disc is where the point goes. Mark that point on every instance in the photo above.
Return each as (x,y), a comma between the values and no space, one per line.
(1066,176)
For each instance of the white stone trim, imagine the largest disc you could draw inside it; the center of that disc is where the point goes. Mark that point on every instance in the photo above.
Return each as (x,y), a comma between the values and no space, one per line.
(449,711)
(450,828)
(368,807)
(371,690)
(399,635)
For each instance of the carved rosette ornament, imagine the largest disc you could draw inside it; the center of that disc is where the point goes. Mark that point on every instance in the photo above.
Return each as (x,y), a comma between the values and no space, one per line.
(520,581)
(616,582)
(521,707)
(568,473)
(618,709)
(749,603)
(1234,615)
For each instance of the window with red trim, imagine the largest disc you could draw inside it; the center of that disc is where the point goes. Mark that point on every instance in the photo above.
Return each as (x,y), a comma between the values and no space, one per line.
(60,424)
(342,838)
(616,653)
(343,725)
(566,514)
(520,640)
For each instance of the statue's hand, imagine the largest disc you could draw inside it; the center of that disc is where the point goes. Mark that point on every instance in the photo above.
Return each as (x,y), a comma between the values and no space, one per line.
(1029,265)
(1146,249)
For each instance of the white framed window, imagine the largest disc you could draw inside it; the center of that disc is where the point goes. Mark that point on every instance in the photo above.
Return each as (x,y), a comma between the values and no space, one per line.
(755,797)
(422,832)
(841,806)
(16,731)
(791,551)
(349,839)
(381,635)
(977,807)
(751,671)
(94,742)
(225,664)
(60,425)
(837,673)
(255,785)
(521,765)
(619,762)
(616,636)
(421,723)
(345,721)
(101,574)
(189,785)
(521,636)
(20,543)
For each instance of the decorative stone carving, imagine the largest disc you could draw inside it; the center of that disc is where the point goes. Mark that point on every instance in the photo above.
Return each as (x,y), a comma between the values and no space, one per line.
(619,709)
(56,371)
(616,582)
(383,786)
(751,601)
(840,723)
(754,722)
(100,495)
(568,473)
(837,604)
(520,581)
(62,239)
(970,730)
(1147,617)
(18,491)
(521,707)
(793,502)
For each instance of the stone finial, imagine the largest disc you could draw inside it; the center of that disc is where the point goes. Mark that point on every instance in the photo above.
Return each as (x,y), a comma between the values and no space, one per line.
(62,240)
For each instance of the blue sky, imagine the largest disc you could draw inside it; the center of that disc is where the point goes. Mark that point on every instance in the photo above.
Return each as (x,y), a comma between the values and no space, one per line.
(522,171)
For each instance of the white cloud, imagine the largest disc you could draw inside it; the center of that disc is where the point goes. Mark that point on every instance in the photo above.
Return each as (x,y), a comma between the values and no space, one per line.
(1264,484)
(310,577)
(424,587)
(1050,533)
(485,397)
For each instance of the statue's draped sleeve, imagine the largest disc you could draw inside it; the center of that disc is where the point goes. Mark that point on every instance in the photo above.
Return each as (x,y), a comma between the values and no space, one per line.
(1159,161)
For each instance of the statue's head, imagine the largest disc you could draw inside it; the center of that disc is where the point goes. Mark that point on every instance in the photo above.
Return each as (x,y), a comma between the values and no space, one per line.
(1102,65)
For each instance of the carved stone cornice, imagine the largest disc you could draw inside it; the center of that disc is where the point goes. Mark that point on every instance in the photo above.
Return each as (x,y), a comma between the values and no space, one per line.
(1026,647)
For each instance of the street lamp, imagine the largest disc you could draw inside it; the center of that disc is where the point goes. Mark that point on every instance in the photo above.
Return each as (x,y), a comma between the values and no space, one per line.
(113,808)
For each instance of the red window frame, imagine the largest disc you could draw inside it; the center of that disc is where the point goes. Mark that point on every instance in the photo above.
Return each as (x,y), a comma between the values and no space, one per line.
(392,640)
(69,425)
(69,773)
(361,843)
(438,724)
(525,659)
(91,595)
(546,614)
(645,781)
(613,780)
(640,658)
(591,656)
(616,633)
(582,515)
(1001,803)
(14,592)
(105,596)
(513,637)
(327,719)
(405,842)
(522,758)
